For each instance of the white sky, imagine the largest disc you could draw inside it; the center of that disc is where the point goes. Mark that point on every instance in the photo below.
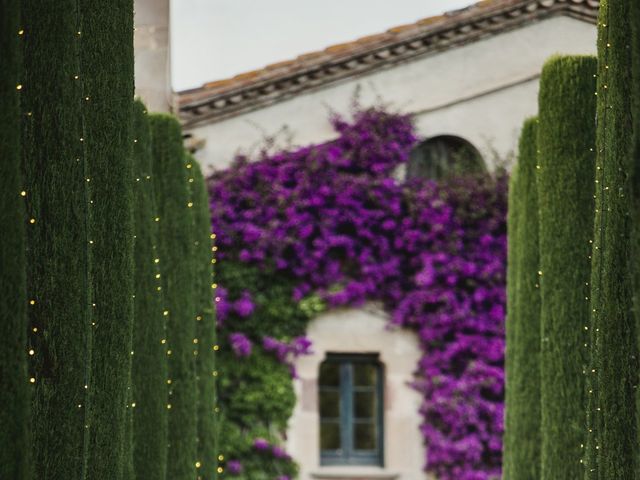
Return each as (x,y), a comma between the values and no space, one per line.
(216,39)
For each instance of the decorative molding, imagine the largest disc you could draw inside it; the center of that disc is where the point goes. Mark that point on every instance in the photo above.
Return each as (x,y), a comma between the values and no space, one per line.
(220,100)
(354,473)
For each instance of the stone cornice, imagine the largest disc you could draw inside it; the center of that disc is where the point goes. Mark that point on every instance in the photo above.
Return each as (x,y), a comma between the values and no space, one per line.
(275,83)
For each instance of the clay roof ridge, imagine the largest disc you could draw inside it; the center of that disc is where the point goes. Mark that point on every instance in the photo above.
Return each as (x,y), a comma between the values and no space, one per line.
(215,100)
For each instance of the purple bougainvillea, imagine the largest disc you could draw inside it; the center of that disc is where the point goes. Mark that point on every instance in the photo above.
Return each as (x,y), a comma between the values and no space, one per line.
(234,467)
(334,217)
(240,344)
(285,352)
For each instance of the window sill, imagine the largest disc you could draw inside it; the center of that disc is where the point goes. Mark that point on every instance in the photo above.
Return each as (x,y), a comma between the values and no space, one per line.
(354,473)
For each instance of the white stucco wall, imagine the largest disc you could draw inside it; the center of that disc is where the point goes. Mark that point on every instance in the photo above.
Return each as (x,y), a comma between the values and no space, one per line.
(481,91)
(151,42)
(360,331)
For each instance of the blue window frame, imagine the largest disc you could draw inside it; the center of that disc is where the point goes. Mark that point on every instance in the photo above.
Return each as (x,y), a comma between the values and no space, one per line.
(351,410)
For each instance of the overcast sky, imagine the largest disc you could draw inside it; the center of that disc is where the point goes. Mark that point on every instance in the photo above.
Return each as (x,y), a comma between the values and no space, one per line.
(216,39)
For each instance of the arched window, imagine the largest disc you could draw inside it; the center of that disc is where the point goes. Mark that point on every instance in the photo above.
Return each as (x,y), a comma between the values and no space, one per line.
(442,157)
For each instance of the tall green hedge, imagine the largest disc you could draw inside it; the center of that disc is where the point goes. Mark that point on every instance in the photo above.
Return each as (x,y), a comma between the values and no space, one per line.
(513,218)
(204,255)
(635,181)
(612,440)
(175,253)
(522,433)
(106,75)
(14,395)
(58,282)
(566,138)
(149,368)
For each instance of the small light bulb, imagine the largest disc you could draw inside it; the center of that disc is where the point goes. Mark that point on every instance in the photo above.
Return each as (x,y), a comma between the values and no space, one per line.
(23,193)
(32,380)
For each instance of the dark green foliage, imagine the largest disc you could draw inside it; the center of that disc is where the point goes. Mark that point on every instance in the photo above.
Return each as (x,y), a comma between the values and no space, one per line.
(243,382)
(149,367)
(635,183)
(510,442)
(243,385)
(106,75)
(58,264)
(175,250)
(522,429)
(245,407)
(276,314)
(566,156)
(205,327)
(14,396)
(612,445)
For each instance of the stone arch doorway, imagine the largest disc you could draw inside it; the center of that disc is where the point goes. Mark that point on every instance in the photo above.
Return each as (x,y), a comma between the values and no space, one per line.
(443,156)
(360,333)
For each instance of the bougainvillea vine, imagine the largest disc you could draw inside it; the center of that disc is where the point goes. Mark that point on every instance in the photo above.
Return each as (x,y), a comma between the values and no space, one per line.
(336,227)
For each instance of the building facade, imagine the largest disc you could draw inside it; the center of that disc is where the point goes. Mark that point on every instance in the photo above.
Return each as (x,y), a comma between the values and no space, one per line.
(469,79)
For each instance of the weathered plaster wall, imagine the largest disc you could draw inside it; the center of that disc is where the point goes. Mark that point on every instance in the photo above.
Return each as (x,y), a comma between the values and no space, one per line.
(481,91)
(361,331)
(151,42)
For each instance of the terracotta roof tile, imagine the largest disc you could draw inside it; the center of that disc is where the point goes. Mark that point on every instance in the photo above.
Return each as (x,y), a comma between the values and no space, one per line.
(226,97)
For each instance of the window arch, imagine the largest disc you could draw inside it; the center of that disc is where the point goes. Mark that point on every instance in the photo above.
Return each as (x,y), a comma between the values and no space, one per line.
(442,157)
(345,336)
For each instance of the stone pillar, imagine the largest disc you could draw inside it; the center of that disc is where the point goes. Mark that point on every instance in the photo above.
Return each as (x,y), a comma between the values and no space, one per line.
(152,65)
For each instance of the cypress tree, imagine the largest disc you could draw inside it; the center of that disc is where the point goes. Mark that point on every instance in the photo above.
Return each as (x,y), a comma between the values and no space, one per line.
(204,256)
(58,282)
(14,395)
(175,253)
(106,74)
(522,435)
(612,430)
(149,368)
(635,184)
(566,137)
(510,442)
